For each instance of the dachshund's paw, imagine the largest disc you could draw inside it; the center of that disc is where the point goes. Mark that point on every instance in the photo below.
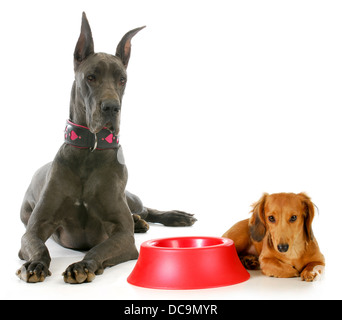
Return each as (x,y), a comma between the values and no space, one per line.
(140,225)
(310,275)
(277,269)
(80,272)
(33,272)
(177,218)
(280,274)
(250,262)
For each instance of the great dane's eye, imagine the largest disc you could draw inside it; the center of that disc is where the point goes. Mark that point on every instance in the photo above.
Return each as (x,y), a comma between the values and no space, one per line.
(293,218)
(271,219)
(123,81)
(91,78)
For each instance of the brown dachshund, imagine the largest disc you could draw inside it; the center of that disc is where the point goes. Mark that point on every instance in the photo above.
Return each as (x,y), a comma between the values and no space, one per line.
(278,237)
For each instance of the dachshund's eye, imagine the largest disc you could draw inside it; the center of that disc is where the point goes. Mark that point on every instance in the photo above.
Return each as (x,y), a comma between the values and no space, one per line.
(293,218)
(271,219)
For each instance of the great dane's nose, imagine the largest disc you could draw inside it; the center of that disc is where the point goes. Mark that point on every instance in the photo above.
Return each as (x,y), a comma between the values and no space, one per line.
(283,247)
(110,107)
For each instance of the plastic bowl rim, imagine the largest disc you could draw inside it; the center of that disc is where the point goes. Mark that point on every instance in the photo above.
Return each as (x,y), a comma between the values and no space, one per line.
(149,243)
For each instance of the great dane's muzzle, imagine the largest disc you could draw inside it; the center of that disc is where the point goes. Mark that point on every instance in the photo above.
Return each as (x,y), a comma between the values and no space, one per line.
(110,110)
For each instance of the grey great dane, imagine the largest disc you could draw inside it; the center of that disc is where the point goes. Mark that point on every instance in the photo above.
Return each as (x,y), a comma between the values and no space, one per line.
(79,198)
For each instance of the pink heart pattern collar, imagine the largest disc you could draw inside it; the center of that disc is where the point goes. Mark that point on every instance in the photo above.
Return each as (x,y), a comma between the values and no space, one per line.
(80,137)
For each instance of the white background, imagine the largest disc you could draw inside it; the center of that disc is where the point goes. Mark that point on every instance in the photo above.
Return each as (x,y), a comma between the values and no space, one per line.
(225,100)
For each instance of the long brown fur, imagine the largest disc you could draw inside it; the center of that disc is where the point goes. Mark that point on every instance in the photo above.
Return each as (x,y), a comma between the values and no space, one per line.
(278,237)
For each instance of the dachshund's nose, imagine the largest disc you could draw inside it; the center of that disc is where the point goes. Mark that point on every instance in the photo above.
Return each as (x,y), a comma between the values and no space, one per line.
(283,247)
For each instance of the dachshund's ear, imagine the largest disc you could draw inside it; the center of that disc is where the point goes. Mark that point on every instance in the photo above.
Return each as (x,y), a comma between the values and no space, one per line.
(309,213)
(257,225)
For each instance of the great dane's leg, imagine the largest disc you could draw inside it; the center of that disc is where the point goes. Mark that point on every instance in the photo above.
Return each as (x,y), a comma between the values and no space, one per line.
(33,192)
(46,202)
(172,218)
(118,248)
(40,226)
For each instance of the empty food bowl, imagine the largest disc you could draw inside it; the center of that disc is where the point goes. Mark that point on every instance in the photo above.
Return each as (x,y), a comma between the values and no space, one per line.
(188,263)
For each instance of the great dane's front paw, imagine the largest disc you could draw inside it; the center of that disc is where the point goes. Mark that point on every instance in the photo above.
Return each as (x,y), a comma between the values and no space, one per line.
(79,272)
(178,219)
(33,272)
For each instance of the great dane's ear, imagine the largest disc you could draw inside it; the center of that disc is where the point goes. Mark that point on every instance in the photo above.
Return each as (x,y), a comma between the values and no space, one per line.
(257,224)
(123,50)
(85,43)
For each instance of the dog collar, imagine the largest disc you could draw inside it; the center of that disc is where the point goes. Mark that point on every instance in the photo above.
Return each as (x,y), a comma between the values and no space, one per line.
(80,137)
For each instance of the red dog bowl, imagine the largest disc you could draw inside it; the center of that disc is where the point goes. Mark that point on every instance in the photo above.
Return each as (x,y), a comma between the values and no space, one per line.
(188,263)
